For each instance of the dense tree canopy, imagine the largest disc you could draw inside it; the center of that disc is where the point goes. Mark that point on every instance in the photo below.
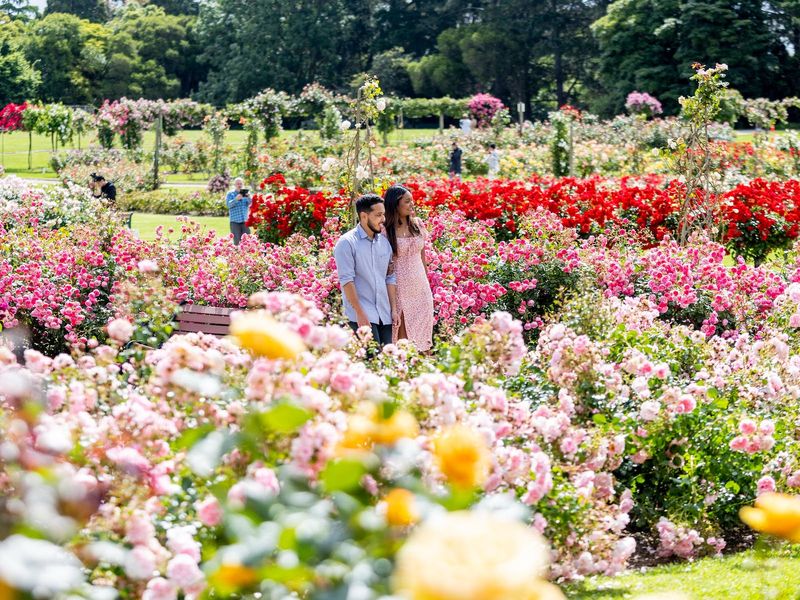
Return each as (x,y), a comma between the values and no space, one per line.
(651,45)
(545,53)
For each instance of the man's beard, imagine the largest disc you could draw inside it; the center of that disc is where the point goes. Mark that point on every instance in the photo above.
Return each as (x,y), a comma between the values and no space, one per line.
(378,230)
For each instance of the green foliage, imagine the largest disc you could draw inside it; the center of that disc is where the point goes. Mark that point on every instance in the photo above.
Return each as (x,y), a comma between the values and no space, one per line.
(690,157)
(500,120)
(173,201)
(70,55)
(443,73)
(163,50)
(91,10)
(650,45)
(19,80)
(559,145)
(330,126)
(433,107)
(215,126)
(390,67)
(322,41)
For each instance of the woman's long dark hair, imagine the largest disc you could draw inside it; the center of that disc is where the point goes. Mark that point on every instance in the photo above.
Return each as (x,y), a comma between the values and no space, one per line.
(391,200)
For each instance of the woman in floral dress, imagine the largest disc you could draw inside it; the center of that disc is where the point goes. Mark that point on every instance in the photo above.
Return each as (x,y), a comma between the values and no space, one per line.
(407,235)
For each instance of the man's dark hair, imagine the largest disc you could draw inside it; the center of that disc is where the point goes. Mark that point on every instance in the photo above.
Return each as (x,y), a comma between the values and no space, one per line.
(366,202)
(97,177)
(492,146)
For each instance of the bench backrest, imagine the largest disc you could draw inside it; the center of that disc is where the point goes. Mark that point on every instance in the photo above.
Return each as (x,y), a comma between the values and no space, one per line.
(214,320)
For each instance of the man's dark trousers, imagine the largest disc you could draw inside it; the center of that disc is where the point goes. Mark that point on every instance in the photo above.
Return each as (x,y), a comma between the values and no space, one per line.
(380,333)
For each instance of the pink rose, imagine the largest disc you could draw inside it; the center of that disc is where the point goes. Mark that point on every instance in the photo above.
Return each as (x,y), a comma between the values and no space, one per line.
(766,484)
(539,523)
(794,479)
(739,443)
(139,529)
(747,426)
(209,512)
(568,446)
(140,563)
(268,479)
(129,460)
(649,410)
(180,540)
(766,443)
(183,571)
(120,330)
(342,382)
(237,495)
(766,427)
(662,371)
(686,404)
(147,266)
(160,589)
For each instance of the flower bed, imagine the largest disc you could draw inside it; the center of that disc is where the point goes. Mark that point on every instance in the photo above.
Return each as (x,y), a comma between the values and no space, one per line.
(620,395)
(754,218)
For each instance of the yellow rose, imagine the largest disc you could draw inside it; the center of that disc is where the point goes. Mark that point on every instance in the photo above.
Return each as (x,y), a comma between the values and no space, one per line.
(401,508)
(261,334)
(463,456)
(775,514)
(235,576)
(360,433)
(401,424)
(6,591)
(473,556)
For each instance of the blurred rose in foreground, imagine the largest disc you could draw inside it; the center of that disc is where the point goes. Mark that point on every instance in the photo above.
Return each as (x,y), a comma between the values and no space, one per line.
(264,336)
(474,556)
(775,514)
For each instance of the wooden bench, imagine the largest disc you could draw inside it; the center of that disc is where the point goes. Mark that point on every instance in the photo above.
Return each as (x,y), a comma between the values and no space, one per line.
(213,320)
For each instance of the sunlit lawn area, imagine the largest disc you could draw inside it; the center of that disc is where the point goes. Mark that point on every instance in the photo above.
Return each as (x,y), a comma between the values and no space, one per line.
(744,576)
(14,156)
(145,224)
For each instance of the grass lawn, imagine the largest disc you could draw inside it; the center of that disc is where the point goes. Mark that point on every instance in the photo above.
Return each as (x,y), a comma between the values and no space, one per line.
(773,574)
(14,156)
(145,224)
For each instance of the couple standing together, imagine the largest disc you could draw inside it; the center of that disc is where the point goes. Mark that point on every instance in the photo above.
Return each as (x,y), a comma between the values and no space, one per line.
(383,273)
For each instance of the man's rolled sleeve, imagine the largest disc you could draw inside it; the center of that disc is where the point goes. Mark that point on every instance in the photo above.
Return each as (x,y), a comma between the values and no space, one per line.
(345,262)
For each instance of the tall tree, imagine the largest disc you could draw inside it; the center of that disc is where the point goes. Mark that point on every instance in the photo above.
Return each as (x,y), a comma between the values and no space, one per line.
(178,7)
(650,45)
(91,10)
(70,54)
(414,25)
(166,50)
(19,81)
(518,49)
(18,9)
(282,44)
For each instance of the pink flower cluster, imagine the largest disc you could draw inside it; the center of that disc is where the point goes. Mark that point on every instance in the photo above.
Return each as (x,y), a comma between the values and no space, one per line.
(483,107)
(642,103)
(683,542)
(754,437)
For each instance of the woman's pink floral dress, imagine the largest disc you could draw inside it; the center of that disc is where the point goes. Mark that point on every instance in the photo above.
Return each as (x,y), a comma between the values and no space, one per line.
(414,296)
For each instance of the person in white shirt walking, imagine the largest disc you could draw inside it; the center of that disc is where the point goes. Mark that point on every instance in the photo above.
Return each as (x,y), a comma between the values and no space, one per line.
(493,160)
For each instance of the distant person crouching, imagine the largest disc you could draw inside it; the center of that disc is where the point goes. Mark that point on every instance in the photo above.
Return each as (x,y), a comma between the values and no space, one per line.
(103,189)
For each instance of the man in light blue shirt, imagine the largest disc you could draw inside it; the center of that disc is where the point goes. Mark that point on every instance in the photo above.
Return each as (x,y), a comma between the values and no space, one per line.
(238,202)
(363,259)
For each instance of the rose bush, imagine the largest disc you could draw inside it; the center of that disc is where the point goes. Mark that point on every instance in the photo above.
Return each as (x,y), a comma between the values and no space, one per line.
(616,391)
